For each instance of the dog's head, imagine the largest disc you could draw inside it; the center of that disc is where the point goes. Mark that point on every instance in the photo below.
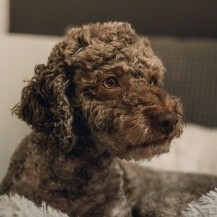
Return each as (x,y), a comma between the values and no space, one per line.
(103,81)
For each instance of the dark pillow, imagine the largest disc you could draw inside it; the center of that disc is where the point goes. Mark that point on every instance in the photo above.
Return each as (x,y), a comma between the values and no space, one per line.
(191,74)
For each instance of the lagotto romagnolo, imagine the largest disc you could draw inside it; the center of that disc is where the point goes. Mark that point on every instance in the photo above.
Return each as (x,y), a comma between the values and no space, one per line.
(97,103)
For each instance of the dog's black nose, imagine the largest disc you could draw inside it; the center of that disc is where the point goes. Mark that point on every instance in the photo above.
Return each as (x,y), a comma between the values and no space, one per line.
(166,121)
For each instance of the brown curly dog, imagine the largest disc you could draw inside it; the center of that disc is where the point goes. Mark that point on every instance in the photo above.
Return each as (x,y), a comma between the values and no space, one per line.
(98,100)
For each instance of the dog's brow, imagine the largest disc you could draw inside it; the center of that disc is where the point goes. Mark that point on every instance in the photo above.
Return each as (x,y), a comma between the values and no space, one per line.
(137,74)
(119,72)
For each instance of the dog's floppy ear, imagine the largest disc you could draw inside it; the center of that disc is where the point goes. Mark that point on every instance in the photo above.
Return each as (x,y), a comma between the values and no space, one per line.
(44,103)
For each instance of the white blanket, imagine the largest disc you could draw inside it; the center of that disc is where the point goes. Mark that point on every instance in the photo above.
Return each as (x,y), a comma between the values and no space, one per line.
(20,207)
(205,207)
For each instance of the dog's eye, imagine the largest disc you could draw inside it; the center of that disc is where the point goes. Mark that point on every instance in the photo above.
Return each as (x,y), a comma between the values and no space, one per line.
(152,81)
(110,82)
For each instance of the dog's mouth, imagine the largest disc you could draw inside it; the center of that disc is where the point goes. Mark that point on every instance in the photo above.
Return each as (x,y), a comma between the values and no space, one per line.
(147,150)
(155,142)
(160,138)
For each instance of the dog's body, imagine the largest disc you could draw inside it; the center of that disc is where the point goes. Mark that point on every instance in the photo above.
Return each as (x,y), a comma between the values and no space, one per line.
(97,185)
(98,100)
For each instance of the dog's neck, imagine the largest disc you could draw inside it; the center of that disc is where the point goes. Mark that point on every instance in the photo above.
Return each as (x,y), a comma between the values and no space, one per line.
(87,164)
(80,181)
(86,174)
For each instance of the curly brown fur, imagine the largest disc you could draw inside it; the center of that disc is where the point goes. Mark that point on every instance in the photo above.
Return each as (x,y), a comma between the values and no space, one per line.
(99,99)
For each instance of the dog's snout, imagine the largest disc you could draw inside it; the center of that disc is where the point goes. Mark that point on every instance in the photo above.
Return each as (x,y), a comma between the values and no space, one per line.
(166,121)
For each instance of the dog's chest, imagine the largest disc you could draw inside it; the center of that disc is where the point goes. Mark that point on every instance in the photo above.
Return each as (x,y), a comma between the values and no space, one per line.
(103,199)
(91,190)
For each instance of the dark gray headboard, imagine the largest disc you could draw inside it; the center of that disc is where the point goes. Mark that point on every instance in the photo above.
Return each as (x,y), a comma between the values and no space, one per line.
(149,17)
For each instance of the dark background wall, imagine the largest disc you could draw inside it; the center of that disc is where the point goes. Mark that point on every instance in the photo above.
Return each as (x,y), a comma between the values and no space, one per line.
(152,17)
